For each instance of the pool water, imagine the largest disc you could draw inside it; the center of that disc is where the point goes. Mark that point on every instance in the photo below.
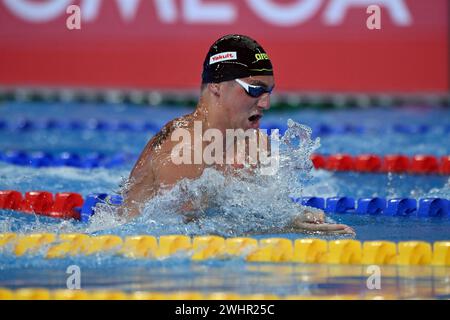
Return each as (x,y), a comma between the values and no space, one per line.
(376,131)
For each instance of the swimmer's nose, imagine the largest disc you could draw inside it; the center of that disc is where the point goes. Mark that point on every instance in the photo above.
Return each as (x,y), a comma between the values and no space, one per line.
(264,101)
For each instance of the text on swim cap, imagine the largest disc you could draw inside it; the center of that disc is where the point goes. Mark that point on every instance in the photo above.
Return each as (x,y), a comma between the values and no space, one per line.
(261,56)
(223,57)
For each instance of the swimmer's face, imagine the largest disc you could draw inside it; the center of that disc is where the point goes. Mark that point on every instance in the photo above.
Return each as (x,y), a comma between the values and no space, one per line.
(242,110)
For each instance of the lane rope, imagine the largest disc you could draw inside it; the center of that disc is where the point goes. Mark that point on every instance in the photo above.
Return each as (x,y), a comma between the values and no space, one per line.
(65,294)
(390,163)
(175,98)
(364,163)
(321,129)
(199,248)
(41,159)
(70,205)
(27,125)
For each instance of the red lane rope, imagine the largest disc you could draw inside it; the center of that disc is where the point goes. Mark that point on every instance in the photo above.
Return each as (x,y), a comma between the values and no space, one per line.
(417,164)
(61,205)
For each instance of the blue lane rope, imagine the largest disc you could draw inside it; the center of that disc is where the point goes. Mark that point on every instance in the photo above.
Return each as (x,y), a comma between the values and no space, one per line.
(426,207)
(41,159)
(25,125)
(322,129)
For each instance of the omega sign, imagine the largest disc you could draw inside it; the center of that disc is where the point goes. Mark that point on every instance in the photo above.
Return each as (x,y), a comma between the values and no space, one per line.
(213,12)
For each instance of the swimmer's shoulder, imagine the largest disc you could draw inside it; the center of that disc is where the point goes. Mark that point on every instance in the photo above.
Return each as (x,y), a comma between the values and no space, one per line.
(167,172)
(161,146)
(158,147)
(162,140)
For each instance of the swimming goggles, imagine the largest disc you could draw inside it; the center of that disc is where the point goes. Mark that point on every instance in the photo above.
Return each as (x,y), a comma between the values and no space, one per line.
(252,90)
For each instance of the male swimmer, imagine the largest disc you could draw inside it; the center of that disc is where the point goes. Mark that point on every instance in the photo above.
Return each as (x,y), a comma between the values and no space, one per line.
(237,81)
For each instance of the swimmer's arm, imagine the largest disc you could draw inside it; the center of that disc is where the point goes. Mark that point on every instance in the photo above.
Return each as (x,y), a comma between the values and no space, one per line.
(140,190)
(312,220)
(298,224)
(146,183)
(168,174)
(141,183)
(153,172)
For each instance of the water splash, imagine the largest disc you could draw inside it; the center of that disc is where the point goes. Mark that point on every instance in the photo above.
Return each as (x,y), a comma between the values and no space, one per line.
(236,205)
(443,192)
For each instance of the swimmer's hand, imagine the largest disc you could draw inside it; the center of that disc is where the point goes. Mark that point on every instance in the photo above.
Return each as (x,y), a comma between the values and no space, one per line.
(314,222)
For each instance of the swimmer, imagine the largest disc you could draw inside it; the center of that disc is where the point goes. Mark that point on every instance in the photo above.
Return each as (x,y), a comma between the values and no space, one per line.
(237,81)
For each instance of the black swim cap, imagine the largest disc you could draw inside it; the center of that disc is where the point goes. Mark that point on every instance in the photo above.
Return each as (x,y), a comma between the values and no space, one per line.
(235,56)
